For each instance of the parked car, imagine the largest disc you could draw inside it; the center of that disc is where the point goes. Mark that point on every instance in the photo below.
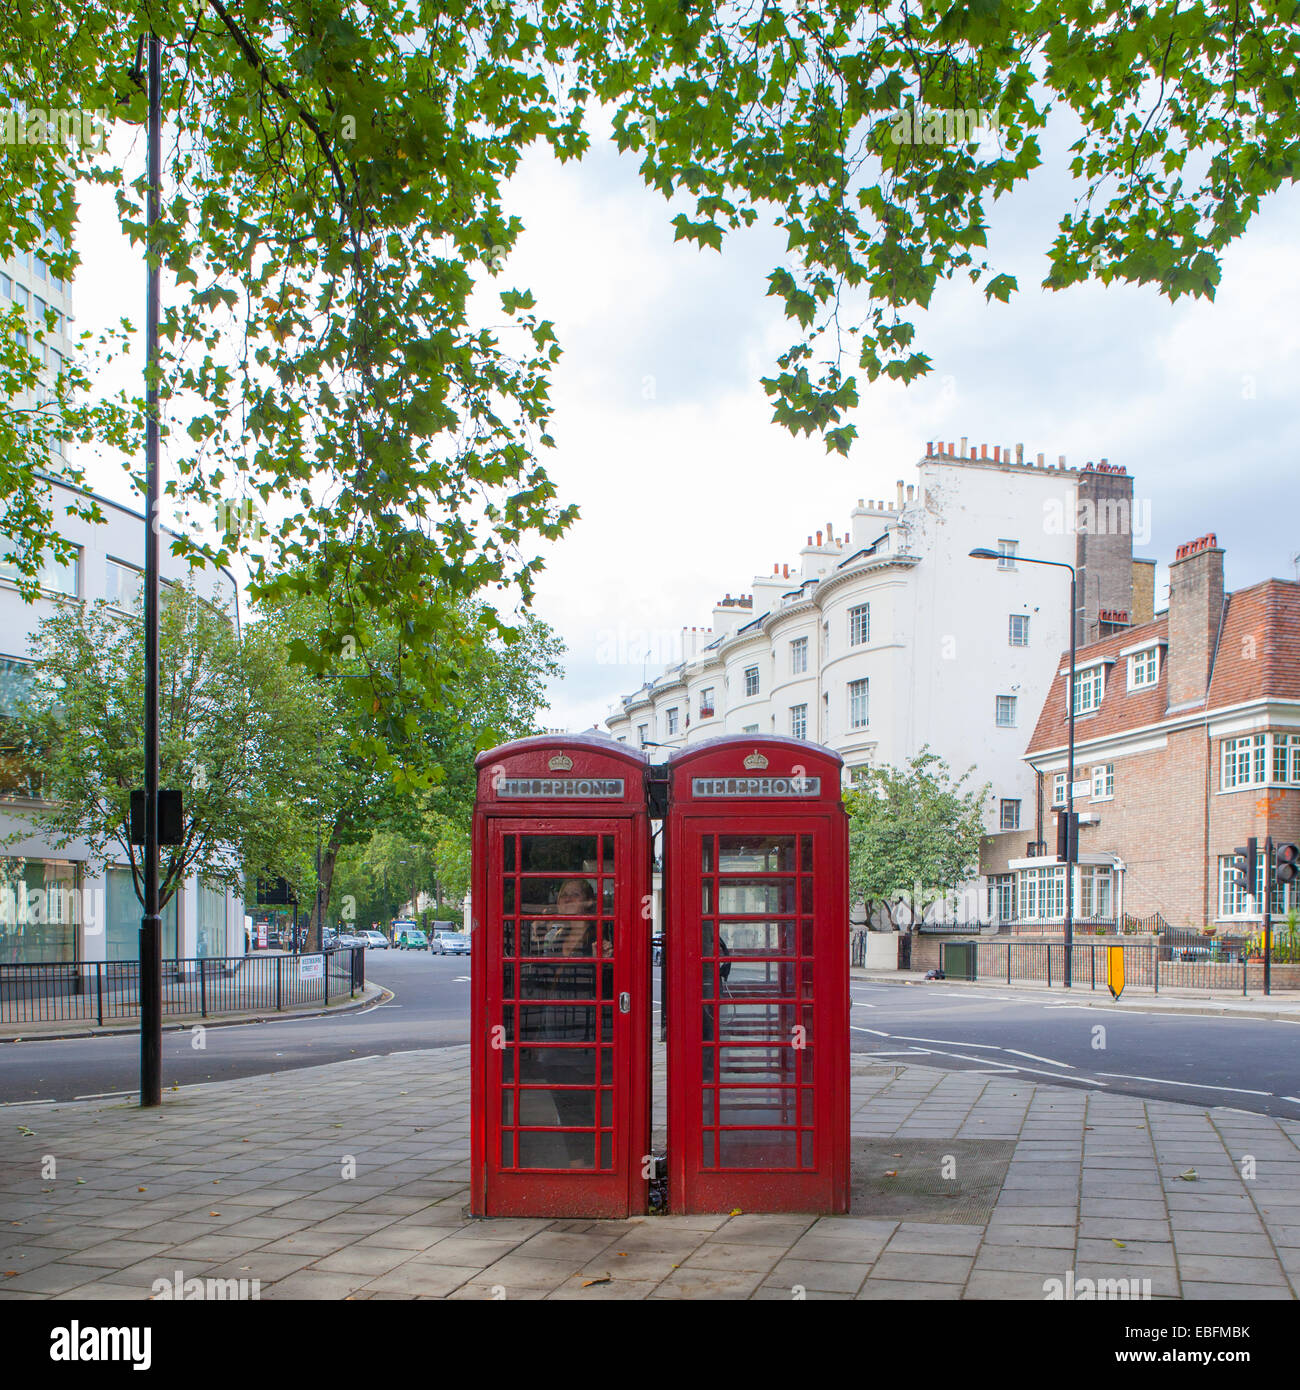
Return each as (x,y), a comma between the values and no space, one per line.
(452,943)
(657,946)
(375,939)
(351,938)
(409,938)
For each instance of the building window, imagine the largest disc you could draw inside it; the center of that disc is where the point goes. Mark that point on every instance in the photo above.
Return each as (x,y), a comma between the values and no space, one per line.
(860,625)
(1002,896)
(750,729)
(125,585)
(641,731)
(1010,815)
(1088,688)
(671,716)
(40,910)
(1007,554)
(1018,629)
(751,680)
(56,577)
(858,704)
(799,721)
(1286,758)
(1143,668)
(1042,893)
(1006,712)
(18,778)
(1095,892)
(1103,782)
(798,656)
(1244,761)
(1058,789)
(706,702)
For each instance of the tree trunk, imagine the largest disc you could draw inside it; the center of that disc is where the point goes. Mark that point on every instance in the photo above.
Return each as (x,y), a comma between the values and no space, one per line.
(329,856)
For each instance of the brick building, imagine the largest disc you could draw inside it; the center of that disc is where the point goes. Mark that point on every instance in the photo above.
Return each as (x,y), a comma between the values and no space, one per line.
(1187,733)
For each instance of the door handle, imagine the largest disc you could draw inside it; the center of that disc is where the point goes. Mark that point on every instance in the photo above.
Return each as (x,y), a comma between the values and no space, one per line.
(624,1003)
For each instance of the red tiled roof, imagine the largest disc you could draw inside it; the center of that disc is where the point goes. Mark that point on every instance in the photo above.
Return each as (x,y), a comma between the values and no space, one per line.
(1259,652)
(1258,657)
(1120,710)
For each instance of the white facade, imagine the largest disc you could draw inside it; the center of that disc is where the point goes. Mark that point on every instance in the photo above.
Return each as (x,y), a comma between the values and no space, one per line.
(53,904)
(909,641)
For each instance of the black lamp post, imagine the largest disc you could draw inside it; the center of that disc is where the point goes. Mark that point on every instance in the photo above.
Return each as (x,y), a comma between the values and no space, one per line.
(151,922)
(1071,848)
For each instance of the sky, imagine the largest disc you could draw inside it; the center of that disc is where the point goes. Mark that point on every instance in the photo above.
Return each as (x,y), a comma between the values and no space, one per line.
(687,490)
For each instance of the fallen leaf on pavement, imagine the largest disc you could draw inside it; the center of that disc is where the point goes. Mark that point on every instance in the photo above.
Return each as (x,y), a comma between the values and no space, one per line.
(587,1283)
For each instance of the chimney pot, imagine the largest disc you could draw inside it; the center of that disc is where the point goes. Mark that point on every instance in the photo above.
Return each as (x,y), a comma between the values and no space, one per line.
(963,446)
(997,453)
(1020,453)
(909,492)
(929,449)
(1060,460)
(1040,460)
(819,537)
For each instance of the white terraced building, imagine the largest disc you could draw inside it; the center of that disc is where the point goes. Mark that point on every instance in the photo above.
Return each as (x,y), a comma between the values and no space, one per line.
(887,637)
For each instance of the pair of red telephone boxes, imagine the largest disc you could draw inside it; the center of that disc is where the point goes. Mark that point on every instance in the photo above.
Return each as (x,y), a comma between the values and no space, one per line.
(757,997)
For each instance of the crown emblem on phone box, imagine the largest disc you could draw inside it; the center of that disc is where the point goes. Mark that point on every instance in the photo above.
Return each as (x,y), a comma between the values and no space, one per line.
(756,761)
(561,762)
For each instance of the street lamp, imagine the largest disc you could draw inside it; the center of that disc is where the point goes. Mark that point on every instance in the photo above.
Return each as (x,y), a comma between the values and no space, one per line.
(1071,848)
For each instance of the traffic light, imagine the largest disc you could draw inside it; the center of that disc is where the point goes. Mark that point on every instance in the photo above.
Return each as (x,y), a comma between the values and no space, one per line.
(1067,836)
(1287,863)
(1245,865)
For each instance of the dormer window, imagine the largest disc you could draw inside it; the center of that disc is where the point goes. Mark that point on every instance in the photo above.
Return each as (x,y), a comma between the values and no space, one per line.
(1144,668)
(1089,686)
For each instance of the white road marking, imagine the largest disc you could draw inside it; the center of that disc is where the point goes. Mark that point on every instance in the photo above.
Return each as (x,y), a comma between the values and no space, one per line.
(994,1047)
(860,1004)
(460,980)
(14,1104)
(1295,1100)
(104,1095)
(897,1052)
(1030,1071)
(1193,1085)
(1034,1057)
(876,1031)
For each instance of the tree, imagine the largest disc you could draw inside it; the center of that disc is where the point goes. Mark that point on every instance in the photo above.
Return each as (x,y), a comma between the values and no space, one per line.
(914,834)
(401,761)
(337,207)
(230,727)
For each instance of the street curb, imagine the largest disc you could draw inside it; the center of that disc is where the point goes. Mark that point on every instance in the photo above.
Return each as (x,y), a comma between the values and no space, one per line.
(1159,1003)
(179,1025)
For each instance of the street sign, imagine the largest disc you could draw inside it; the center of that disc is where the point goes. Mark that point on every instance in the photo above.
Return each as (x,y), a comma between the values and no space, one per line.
(311,968)
(1115,970)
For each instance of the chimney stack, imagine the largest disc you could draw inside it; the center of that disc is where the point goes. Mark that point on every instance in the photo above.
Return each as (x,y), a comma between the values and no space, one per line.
(1195,610)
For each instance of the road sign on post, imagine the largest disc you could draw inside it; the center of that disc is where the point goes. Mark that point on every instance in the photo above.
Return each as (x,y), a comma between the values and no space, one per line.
(1115,970)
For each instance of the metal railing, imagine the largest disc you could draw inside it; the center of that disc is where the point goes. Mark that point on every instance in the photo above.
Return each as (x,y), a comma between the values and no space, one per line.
(1146,965)
(102,991)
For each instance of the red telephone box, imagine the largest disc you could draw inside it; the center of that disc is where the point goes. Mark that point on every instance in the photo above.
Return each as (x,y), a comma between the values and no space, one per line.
(560,968)
(758,967)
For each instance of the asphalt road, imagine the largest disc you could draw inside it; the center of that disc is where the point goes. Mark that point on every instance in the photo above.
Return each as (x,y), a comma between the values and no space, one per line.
(1241,1063)
(430,1009)
(1245,1064)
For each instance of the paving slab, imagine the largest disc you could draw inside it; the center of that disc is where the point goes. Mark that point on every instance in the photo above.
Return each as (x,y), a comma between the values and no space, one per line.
(1078,1172)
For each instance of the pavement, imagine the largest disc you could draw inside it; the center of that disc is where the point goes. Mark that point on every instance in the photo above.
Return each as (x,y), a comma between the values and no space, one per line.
(350,1180)
(54,1029)
(1174,1001)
